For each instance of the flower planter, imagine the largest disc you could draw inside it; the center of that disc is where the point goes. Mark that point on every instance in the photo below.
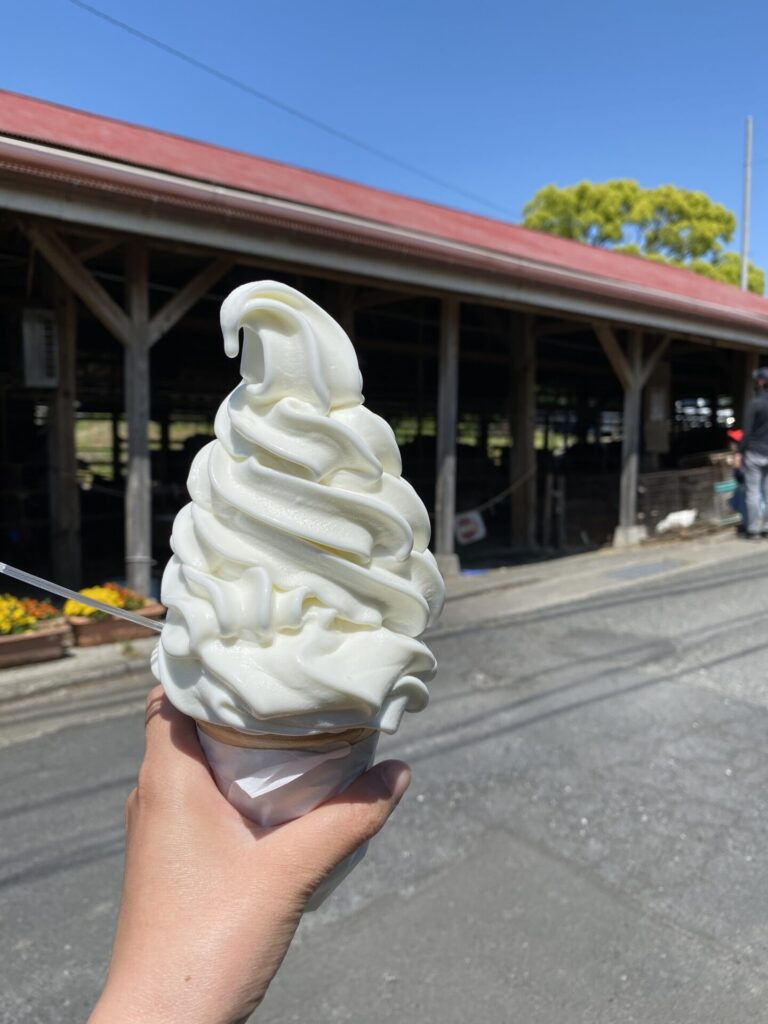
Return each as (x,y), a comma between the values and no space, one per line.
(45,643)
(88,632)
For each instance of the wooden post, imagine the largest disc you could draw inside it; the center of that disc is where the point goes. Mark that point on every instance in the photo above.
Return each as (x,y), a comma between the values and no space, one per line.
(165,444)
(559,495)
(138,481)
(738,363)
(137,332)
(522,461)
(347,310)
(633,373)
(751,363)
(546,528)
(447,422)
(64,494)
(117,469)
(626,531)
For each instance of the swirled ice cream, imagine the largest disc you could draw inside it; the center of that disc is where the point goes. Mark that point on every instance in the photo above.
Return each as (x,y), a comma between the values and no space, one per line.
(300,579)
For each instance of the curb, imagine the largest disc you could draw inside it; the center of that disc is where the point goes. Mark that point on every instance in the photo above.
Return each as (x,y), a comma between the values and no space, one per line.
(79,667)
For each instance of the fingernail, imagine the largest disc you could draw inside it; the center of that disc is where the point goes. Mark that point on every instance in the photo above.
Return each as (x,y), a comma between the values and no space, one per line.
(397,778)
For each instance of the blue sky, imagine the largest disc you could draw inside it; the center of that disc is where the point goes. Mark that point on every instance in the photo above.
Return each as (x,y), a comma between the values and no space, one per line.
(498,97)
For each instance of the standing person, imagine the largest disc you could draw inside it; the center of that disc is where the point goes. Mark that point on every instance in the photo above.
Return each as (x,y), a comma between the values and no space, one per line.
(754,447)
(738,500)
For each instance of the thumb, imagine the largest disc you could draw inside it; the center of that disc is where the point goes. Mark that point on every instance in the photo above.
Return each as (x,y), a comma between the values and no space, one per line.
(324,837)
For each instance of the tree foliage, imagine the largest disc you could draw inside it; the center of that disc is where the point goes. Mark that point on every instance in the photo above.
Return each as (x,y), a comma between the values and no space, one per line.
(667,224)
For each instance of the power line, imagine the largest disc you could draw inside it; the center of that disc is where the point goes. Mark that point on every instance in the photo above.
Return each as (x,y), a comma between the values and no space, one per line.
(287,108)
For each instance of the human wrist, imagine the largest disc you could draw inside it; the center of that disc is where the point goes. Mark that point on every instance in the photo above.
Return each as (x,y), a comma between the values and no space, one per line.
(115,1007)
(136,1003)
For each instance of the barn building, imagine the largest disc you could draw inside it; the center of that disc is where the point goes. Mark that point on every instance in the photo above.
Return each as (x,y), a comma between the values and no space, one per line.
(556,389)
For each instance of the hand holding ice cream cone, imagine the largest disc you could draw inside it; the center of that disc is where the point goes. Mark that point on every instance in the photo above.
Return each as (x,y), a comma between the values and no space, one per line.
(210,902)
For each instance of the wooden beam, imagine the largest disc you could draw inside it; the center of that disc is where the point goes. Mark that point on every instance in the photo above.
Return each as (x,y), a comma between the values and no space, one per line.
(447,422)
(186,297)
(373,297)
(616,357)
(654,358)
(555,330)
(522,461)
(79,279)
(138,483)
(63,491)
(94,249)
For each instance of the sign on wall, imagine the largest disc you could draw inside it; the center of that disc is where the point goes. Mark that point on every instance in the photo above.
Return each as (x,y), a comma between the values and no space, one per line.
(41,348)
(469,527)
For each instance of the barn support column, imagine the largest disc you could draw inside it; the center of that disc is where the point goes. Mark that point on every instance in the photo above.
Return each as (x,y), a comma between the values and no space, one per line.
(751,363)
(633,369)
(64,493)
(628,532)
(347,310)
(742,388)
(137,331)
(522,461)
(145,331)
(138,478)
(117,470)
(447,422)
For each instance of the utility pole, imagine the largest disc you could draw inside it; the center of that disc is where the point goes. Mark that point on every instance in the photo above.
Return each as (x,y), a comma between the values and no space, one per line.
(746,205)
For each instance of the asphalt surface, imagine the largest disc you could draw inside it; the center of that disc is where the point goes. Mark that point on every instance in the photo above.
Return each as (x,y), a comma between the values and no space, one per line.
(585,840)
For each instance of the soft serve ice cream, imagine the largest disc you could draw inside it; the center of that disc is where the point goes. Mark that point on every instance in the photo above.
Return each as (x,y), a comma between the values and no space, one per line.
(300,579)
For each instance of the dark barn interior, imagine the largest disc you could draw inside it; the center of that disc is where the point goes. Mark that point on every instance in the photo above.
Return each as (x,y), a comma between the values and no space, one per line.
(578,407)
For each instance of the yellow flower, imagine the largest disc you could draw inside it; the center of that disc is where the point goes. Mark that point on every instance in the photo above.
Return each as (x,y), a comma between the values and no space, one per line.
(14,617)
(103,594)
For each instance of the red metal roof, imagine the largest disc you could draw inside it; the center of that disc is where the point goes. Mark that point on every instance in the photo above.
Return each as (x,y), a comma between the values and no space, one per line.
(80,132)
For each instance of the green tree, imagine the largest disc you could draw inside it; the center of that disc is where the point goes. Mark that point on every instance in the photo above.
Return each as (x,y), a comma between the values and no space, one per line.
(667,224)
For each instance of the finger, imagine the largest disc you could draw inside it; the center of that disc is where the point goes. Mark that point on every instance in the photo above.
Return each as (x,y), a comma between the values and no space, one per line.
(321,839)
(171,742)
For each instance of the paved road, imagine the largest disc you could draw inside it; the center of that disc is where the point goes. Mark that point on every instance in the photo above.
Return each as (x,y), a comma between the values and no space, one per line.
(586,839)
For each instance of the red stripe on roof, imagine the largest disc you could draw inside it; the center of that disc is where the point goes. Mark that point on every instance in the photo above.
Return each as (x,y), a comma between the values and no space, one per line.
(50,123)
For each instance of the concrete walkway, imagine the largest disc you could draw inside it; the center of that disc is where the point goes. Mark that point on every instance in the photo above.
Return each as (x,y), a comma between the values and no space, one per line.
(472,598)
(78,667)
(585,840)
(501,592)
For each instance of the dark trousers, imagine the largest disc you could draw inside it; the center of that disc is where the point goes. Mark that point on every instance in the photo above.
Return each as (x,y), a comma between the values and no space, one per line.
(756,480)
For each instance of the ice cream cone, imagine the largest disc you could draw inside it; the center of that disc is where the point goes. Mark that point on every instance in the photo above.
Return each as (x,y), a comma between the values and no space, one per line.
(271,741)
(273,779)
